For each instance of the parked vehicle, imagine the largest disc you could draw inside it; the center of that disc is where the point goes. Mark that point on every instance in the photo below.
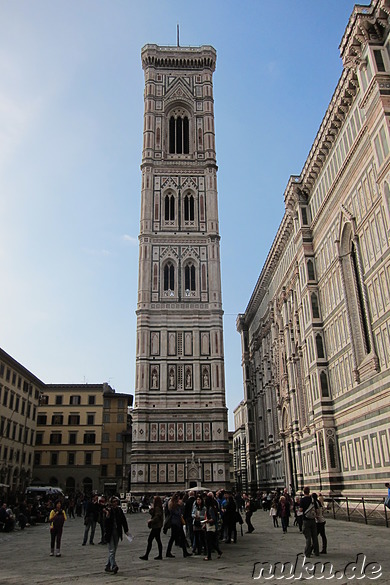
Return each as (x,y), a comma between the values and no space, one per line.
(43,491)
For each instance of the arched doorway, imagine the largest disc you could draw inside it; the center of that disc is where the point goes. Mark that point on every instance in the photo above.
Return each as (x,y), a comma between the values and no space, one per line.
(87,486)
(70,486)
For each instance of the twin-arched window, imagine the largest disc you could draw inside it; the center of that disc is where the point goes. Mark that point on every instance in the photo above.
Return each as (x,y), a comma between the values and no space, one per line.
(189,278)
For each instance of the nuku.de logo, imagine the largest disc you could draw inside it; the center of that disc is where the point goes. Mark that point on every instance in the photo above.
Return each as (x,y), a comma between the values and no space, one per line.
(304,569)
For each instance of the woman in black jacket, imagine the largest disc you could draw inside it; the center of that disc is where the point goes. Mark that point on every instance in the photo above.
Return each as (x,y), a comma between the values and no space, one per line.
(115,524)
(155,524)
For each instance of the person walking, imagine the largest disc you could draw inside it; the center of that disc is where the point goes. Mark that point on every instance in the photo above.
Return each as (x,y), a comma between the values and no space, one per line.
(90,519)
(274,513)
(320,521)
(309,511)
(198,516)
(57,519)
(230,518)
(115,524)
(284,512)
(175,508)
(249,509)
(155,524)
(211,522)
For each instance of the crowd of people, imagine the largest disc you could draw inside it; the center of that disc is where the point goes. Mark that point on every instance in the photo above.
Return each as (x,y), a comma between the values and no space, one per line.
(196,522)
(307,510)
(200,521)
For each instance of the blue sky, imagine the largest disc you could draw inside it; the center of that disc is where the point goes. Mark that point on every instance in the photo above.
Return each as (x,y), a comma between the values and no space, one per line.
(71,121)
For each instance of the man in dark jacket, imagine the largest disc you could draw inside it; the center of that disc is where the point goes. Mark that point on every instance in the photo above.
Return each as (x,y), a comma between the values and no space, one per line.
(90,519)
(115,524)
(309,509)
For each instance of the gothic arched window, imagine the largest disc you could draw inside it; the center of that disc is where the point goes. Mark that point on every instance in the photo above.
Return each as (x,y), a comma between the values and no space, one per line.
(179,135)
(169,277)
(353,281)
(189,278)
(310,270)
(332,452)
(324,384)
(189,207)
(169,207)
(314,306)
(320,346)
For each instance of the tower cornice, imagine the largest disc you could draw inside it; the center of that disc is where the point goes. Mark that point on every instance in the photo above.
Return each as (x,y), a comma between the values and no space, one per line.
(171,57)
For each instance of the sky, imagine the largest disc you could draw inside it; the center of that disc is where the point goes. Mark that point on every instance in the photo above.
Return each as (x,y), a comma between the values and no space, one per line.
(71,123)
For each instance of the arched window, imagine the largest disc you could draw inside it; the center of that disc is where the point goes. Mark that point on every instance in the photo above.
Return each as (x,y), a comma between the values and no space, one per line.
(324,384)
(189,207)
(320,346)
(332,452)
(179,135)
(189,278)
(322,450)
(353,282)
(360,296)
(169,207)
(169,277)
(314,306)
(310,270)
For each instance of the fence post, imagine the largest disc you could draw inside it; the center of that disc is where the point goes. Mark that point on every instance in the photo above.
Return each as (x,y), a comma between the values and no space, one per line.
(346,500)
(364,511)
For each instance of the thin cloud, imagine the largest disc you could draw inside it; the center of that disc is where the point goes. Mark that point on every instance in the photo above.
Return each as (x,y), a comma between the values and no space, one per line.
(130,239)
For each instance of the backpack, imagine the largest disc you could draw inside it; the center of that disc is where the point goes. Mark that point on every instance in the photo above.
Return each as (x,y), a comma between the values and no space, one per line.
(310,512)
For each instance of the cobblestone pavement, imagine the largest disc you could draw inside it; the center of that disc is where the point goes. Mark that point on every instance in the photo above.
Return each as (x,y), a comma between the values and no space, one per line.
(25,560)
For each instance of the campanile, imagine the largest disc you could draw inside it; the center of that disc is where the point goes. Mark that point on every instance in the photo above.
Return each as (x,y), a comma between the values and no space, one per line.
(180,431)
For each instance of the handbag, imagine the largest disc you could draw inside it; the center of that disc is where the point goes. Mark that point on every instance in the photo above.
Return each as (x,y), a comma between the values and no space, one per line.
(167,524)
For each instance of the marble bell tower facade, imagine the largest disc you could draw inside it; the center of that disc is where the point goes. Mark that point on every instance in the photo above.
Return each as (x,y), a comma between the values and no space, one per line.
(180,430)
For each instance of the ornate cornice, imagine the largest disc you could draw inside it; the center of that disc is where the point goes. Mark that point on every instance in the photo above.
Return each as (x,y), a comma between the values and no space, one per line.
(179,57)
(367,24)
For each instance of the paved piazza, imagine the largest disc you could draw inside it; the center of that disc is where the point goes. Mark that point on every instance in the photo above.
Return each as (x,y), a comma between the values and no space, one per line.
(25,556)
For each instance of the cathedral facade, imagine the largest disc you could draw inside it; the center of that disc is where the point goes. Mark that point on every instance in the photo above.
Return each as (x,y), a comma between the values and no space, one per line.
(180,433)
(316,331)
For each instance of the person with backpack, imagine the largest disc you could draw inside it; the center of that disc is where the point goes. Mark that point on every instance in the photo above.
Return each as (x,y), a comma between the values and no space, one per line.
(308,506)
(57,518)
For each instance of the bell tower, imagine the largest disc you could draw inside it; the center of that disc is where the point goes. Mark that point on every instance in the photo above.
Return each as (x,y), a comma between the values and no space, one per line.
(180,418)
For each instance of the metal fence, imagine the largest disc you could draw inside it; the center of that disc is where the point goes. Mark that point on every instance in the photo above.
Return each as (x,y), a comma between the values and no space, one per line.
(369,511)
